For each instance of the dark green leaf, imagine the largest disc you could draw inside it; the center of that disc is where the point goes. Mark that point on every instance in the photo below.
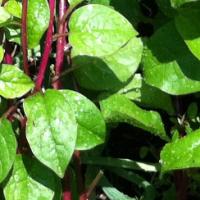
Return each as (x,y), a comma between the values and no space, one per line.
(178,3)
(118,108)
(91,125)
(13,82)
(8,146)
(51,129)
(38,21)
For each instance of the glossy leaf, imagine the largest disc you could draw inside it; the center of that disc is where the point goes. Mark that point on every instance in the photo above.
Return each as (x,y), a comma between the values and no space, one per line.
(1,53)
(91,125)
(13,82)
(8,145)
(111,71)
(190,34)
(30,180)
(38,21)
(118,108)
(182,153)
(96,30)
(51,129)
(169,65)
(4,16)
(14,8)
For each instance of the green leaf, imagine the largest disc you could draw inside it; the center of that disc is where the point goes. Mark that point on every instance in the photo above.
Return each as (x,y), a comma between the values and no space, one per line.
(178,3)
(74,3)
(4,16)
(51,129)
(13,82)
(190,34)
(8,145)
(118,108)
(13,34)
(102,2)
(138,91)
(113,70)
(14,8)
(169,65)
(30,180)
(91,125)
(38,21)
(182,153)
(1,53)
(96,30)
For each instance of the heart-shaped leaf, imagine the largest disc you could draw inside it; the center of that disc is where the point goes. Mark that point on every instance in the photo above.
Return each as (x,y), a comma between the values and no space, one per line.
(51,129)
(13,82)
(91,125)
(8,146)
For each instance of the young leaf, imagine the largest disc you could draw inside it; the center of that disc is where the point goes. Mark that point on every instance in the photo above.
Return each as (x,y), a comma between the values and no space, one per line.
(4,16)
(190,34)
(1,53)
(30,180)
(51,129)
(37,21)
(182,153)
(91,125)
(74,3)
(113,70)
(96,30)
(14,8)
(13,82)
(8,148)
(118,108)
(169,65)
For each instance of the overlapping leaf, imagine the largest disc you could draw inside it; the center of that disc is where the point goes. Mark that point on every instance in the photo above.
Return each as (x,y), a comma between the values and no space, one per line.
(8,148)
(169,65)
(51,129)
(91,125)
(1,53)
(14,8)
(30,180)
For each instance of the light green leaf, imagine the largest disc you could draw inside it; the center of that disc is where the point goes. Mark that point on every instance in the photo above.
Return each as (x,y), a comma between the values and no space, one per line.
(102,2)
(91,125)
(1,53)
(14,8)
(112,71)
(4,16)
(13,34)
(138,91)
(118,108)
(13,82)
(8,145)
(96,30)
(30,180)
(38,21)
(190,34)
(178,3)
(182,153)
(51,129)
(169,65)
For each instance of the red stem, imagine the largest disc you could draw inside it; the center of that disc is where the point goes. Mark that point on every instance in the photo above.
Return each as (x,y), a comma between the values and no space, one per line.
(67,195)
(61,42)
(24,36)
(8,59)
(47,48)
